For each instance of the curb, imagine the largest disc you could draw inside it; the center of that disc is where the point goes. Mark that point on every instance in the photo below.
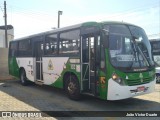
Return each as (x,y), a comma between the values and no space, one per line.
(6,78)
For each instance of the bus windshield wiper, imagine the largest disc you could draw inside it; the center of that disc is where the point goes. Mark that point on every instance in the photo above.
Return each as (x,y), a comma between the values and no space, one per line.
(140,52)
(135,53)
(144,57)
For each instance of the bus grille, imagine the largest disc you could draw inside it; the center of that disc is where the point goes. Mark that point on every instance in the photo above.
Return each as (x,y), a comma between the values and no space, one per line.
(138,81)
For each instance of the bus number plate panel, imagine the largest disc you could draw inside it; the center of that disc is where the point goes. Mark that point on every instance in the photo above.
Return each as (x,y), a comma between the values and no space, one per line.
(141,88)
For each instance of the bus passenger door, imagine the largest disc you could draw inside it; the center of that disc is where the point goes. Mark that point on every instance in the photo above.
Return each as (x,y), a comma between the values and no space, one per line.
(89,53)
(38,62)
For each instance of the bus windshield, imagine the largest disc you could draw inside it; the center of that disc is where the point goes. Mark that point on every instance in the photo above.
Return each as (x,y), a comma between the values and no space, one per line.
(129,48)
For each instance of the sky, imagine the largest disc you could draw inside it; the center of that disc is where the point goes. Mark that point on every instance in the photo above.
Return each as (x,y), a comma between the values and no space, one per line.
(34,16)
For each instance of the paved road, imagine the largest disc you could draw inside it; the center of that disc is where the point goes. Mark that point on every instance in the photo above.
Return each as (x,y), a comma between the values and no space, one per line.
(14,97)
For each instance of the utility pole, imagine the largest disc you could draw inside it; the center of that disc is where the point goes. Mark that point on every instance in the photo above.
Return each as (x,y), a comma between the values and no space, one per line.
(59,13)
(5,20)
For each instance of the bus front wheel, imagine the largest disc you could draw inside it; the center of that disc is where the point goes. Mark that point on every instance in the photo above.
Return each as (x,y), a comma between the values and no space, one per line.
(23,77)
(72,87)
(158,78)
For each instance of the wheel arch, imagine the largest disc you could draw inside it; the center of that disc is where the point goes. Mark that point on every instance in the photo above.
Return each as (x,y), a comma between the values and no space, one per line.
(68,73)
(20,69)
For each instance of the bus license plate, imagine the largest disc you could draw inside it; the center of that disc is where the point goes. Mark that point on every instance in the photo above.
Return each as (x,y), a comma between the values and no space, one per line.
(142,88)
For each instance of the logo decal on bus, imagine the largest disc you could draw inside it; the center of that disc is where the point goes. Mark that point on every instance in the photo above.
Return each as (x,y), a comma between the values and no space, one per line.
(50,65)
(141,77)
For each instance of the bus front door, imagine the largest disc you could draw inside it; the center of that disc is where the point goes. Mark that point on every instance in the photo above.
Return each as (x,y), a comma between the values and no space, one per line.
(89,53)
(38,62)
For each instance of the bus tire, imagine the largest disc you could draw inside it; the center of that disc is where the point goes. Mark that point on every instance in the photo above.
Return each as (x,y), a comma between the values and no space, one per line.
(72,87)
(157,78)
(23,77)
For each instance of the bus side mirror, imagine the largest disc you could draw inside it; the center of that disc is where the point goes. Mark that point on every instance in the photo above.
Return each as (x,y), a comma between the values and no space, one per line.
(102,64)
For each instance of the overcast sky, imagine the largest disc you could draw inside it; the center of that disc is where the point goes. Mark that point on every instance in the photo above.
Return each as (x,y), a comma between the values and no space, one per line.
(35,16)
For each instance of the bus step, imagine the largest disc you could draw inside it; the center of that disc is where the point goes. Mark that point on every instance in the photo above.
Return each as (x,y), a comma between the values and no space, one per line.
(92,87)
(39,82)
(88,93)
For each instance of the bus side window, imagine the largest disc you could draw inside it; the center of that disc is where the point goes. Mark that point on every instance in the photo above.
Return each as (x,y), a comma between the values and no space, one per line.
(69,42)
(51,44)
(25,48)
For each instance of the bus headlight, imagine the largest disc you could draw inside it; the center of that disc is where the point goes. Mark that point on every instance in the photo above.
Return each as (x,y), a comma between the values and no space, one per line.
(117,79)
(114,76)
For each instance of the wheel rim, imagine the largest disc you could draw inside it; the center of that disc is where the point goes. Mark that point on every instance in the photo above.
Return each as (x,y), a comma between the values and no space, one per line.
(158,78)
(71,87)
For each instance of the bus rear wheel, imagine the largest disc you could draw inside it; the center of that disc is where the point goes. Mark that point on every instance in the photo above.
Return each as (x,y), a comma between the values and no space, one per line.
(72,87)
(23,77)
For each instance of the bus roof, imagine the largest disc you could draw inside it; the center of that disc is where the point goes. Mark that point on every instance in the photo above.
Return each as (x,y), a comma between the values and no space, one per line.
(60,29)
(117,22)
(73,27)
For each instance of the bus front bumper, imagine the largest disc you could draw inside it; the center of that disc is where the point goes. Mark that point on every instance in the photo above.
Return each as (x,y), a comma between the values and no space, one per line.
(118,92)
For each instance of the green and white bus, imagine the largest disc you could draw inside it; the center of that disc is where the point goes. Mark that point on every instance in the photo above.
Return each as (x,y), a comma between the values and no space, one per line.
(99,59)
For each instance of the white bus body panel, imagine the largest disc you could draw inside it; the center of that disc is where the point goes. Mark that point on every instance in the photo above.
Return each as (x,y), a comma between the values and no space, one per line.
(52,68)
(27,64)
(118,92)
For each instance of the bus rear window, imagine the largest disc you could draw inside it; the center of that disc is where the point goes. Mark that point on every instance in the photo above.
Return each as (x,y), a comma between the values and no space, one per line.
(13,49)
